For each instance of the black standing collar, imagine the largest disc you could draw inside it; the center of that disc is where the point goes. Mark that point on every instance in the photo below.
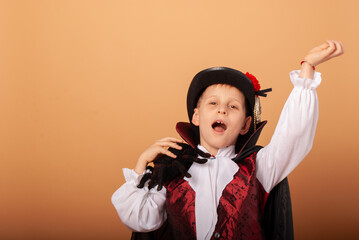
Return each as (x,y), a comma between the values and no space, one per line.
(185,130)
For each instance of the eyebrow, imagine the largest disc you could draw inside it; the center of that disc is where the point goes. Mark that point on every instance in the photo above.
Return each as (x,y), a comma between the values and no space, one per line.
(229,99)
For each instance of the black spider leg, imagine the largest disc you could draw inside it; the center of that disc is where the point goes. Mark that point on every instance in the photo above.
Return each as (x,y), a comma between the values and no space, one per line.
(181,168)
(158,180)
(145,177)
(200,160)
(157,173)
(193,158)
(144,180)
(202,154)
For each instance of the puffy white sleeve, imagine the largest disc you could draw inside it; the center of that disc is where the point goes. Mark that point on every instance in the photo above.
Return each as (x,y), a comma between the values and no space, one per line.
(294,134)
(140,209)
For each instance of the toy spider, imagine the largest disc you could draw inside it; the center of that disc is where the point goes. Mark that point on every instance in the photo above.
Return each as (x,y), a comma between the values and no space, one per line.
(166,168)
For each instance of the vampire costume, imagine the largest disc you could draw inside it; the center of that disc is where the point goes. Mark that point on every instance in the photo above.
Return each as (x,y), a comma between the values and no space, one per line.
(253,202)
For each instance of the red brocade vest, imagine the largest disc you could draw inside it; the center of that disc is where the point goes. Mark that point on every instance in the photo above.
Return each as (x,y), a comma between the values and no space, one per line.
(240,208)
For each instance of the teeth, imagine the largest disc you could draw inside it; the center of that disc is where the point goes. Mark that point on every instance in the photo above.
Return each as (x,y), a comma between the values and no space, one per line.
(220,122)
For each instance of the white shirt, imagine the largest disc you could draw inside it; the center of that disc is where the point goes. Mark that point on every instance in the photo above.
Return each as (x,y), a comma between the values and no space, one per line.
(143,210)
(208,181)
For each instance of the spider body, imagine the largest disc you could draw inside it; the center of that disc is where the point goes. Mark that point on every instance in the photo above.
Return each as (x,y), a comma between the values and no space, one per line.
(166,168)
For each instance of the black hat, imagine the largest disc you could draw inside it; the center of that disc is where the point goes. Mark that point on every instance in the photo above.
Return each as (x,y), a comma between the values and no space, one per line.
(219,75)
(222,75)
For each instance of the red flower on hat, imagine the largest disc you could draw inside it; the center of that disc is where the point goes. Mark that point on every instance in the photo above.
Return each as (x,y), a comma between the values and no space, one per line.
(255,82)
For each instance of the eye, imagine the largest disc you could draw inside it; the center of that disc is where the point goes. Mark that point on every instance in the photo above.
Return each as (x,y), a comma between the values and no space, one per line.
(212,103)
(233,106)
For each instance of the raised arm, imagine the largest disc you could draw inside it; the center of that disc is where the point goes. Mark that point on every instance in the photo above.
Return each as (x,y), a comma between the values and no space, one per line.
(294,134)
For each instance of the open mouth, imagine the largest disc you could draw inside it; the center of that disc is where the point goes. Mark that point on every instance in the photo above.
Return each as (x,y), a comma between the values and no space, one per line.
(219,126)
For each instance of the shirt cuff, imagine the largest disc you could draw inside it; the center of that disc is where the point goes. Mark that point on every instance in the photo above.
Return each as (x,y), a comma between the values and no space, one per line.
(132,176)
(305,83)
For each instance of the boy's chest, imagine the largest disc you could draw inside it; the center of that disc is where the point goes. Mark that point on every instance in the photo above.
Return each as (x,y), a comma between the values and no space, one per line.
(240,204)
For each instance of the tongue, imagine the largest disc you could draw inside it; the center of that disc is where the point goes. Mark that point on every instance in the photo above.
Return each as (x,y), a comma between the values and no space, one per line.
(219,128)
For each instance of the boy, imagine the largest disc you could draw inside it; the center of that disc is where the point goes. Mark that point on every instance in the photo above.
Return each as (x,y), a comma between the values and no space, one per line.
(223,195)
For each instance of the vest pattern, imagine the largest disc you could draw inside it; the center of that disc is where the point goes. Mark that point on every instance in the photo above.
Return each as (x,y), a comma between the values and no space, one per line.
(180,207)
(240,209)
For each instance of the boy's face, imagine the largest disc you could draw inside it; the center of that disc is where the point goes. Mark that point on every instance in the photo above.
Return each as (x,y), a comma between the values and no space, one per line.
(221,117)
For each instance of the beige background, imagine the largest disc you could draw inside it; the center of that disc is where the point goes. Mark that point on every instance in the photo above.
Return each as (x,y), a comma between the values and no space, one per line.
(86,86)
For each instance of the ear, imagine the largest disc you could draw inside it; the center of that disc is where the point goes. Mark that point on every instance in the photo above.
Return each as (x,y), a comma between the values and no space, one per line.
(246,125)
(195,117)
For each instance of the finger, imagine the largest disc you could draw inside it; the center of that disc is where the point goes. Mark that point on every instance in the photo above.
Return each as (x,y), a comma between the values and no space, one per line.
(326,54)
(172,139)
(166,152)
(338,49)
(323,46)
(323,50)
(169,144)
(341,44)
(331,48)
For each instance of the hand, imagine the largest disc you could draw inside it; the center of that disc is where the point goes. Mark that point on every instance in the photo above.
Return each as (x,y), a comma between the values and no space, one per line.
(159,147)
(324,52)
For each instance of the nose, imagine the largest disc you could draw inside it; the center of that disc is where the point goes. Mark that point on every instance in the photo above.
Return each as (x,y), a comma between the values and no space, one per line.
(222,111)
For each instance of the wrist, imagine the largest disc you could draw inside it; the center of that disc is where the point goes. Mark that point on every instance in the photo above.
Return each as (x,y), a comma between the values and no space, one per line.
(308,63)
(140,166)
(306,71)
